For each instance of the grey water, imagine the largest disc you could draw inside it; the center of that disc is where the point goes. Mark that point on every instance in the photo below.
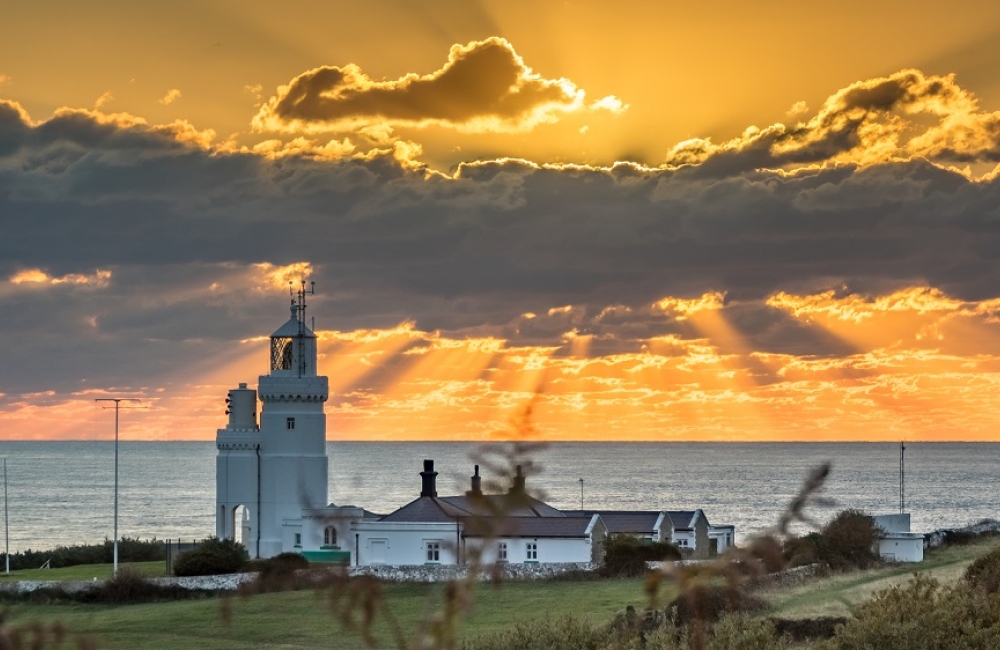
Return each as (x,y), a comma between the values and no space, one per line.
(62,493)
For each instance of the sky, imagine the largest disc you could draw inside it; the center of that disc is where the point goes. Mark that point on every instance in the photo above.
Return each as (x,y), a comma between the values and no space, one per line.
(658,221)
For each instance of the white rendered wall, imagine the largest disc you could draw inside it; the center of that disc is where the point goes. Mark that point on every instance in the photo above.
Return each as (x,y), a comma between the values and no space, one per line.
(405,543)
(898,548)
(549,549)
(294,466)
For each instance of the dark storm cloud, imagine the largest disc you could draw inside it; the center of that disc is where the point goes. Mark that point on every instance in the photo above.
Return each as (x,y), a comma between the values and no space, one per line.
(179,226)
(483,85)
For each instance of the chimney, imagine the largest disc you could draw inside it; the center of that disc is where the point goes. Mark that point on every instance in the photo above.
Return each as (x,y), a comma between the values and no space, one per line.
(477,485)
(428,480)
(518,485)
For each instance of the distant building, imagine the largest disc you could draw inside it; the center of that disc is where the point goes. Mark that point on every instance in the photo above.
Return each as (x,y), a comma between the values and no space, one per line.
(896,543)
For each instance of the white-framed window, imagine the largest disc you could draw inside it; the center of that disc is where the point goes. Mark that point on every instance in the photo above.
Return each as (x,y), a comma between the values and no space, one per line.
(289,423)
(531,552)
(329,536)
(433,551)
(298,539)
(502,551)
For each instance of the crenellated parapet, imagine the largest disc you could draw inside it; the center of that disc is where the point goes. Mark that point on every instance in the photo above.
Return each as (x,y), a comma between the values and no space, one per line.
(293,389)
(230,439)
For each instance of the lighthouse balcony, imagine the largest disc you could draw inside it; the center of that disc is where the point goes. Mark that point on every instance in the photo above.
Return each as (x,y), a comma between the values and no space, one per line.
(296,389)
(237,439)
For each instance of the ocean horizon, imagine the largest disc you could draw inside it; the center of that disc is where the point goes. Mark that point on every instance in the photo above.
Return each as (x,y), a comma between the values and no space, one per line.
(62,492)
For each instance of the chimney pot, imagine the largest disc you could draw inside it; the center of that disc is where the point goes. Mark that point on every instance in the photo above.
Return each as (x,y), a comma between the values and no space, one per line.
(428,480)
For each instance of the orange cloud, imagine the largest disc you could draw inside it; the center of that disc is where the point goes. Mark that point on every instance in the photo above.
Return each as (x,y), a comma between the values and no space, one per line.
(39,278)
(907,114)
(485,86)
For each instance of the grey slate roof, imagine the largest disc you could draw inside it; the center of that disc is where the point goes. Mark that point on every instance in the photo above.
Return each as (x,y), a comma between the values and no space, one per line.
(511,506)
(527,527)
(430,509)
(623,521)
(682,519)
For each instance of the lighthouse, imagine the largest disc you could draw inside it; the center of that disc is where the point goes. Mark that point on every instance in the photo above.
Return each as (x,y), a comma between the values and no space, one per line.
(267,473)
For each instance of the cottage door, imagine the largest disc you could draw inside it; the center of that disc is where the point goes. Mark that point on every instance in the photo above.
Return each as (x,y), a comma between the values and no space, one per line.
(378,551)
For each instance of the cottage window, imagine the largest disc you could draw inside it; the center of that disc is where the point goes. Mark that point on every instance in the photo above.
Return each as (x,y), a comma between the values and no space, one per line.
(289,423)
(298,539)
(532,551)
(433,551)
(329,536)
(502,552)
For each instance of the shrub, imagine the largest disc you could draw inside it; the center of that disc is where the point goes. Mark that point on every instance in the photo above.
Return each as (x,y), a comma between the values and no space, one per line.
(984,572)
(212,557)
(922,615)
(625,555)
(849,541)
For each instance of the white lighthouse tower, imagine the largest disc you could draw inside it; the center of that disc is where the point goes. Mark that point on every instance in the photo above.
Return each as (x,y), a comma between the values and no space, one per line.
(267,474)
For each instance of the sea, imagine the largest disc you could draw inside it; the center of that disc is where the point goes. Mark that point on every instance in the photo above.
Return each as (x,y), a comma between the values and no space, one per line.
(62,493)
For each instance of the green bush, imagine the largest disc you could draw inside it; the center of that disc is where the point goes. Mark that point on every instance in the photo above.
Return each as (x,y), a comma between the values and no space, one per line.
(849,541)
(626,556)
(923,615)
(212,557)
(984,572)
(129,550)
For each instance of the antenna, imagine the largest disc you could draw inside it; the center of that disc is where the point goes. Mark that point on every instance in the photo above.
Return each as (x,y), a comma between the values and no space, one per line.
(301,317)
(902,478)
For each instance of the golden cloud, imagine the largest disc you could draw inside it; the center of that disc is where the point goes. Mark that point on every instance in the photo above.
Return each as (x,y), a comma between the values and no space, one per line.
(38,278)
(484,86)
(904,115)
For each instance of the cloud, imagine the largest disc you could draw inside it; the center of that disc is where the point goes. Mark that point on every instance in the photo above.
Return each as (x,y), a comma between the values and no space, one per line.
(172,96)
(137,256)
(484,86)
(905,115)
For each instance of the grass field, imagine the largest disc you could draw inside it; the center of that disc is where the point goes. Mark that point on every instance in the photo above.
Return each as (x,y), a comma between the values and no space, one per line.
(83,572)
(835,595)
(303,620)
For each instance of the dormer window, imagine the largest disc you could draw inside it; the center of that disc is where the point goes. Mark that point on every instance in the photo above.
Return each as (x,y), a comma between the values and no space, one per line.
(289,423)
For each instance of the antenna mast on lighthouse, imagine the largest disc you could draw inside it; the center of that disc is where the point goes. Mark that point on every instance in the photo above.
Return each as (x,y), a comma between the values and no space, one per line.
(299,301)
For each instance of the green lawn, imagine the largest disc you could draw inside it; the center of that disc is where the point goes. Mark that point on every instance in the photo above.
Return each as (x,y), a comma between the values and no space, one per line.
(304,620)
(835,595)
(83,572)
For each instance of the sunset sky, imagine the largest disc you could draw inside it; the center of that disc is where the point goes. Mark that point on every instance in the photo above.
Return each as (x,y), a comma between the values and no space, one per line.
(650,220)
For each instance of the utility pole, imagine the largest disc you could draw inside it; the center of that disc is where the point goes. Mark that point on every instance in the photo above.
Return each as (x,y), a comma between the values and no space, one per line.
(117,401)
(6,524)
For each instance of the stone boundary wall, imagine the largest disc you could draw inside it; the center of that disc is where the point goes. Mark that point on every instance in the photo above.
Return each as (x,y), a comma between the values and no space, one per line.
(937,537)
(416,573)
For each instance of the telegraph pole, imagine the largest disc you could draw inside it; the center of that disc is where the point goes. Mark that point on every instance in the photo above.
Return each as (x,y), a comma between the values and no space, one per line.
(6,523)
(117,401)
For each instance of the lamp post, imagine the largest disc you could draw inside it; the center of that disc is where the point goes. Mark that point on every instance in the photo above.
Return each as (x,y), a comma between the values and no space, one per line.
(6,524)
(581,494)
(117,401)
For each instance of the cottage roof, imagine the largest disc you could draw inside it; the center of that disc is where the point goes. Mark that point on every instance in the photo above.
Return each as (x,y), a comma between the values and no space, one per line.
(526,526)
(623,521)
(510,505)
(685,519)
(430,509)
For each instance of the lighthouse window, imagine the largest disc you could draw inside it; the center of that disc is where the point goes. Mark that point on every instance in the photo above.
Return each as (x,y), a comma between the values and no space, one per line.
(281,354)
(289,423)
